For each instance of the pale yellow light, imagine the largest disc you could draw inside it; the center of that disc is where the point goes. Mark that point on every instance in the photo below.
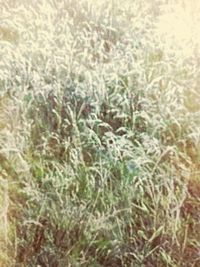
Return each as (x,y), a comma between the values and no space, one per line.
(179,27)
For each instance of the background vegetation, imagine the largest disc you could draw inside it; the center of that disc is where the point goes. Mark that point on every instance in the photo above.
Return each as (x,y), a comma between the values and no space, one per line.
(99,134)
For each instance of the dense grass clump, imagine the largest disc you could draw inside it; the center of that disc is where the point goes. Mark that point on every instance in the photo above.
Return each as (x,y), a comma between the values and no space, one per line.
(99,136)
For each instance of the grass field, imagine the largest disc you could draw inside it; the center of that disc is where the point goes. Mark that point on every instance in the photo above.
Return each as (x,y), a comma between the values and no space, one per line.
(99,133)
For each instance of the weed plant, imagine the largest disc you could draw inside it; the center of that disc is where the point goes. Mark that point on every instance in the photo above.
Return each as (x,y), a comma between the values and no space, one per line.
(99,137)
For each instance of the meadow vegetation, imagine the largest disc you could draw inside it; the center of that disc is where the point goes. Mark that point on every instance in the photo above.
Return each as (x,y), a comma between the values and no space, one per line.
(99,137)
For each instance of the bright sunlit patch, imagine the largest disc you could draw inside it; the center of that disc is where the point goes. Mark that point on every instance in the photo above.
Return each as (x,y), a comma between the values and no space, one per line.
(178,27)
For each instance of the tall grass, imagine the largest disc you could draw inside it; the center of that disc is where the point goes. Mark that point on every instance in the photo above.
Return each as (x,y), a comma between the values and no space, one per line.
(99,137)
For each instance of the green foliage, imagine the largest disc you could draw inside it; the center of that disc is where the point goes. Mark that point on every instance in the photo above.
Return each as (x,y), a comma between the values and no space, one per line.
(99,138)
